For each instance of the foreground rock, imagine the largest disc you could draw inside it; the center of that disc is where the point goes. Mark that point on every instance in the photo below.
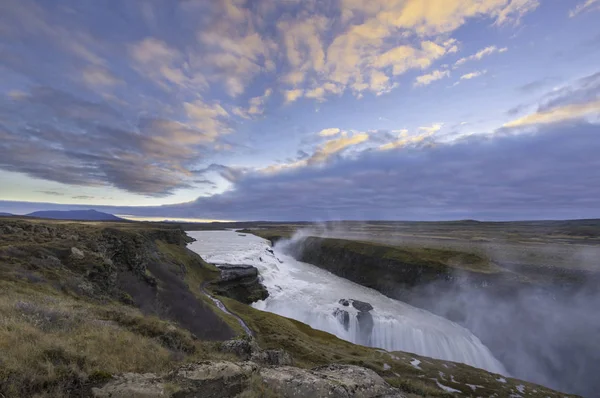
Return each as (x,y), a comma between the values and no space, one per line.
(328,381)
(248,349)
(220,379)
(241,283)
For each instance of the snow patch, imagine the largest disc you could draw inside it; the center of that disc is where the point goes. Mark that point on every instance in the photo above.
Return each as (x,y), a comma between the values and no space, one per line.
(446,388)
(415,363)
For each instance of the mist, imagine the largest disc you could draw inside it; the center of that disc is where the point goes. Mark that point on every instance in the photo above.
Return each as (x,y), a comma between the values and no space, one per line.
(546,333)
(548,336)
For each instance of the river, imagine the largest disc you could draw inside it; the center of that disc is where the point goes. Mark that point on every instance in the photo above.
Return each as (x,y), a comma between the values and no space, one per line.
(316,297)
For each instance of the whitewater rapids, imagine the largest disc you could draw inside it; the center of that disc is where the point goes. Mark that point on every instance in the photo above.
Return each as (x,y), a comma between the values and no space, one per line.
(311,295)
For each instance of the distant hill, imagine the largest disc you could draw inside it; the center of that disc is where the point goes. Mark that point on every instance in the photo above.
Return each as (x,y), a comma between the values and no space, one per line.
(5,214)
(87,215)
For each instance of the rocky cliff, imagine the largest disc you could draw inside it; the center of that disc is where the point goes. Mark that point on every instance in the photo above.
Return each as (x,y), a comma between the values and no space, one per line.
(241,283)
(396,272)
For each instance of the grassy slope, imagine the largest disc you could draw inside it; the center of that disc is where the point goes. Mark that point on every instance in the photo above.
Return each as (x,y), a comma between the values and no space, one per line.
(56,339)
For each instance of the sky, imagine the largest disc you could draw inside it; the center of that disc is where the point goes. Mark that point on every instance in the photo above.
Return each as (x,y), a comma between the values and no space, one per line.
(302,109)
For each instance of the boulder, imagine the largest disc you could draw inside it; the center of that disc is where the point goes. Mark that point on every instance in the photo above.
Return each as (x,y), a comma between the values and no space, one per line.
(248,349)
(243,348)
(362,306)
(359,305)
(341,381)
(273,358)
(77,254)
(132,385)
(212,379)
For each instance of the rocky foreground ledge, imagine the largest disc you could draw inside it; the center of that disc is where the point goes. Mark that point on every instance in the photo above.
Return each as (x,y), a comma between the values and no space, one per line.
(264,374)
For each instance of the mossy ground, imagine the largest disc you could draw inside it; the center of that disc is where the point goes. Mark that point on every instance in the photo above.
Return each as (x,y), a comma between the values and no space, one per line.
(59,338)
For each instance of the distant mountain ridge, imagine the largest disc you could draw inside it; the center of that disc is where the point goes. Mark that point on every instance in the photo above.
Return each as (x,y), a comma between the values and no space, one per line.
(5,214)
(84,215)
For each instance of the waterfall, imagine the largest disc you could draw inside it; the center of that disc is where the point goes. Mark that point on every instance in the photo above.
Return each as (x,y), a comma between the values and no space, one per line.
(350,311)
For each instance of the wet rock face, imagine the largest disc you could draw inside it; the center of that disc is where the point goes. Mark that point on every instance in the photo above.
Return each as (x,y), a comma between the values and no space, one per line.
(364,318)
(343,316)
(241,283)
(220,379)
(359,305)
(362,306)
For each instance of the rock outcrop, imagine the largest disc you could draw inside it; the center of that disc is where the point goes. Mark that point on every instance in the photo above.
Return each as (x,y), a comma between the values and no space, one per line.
(248,350)
(241,283)
(363,317)
(221,379)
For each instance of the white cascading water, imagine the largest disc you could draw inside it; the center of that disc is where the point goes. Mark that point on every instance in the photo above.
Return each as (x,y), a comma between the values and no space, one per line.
(311,295)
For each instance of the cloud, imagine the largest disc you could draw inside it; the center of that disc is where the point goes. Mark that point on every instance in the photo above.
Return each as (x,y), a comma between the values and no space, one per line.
(52,193)
(473,75)
(292,95)
(256,106)
(584,6)
(558,114)
(329,132)
(493,177)
(406,140)
(74,141)
(429,78)
(481,54)
(324,152)
(376,41)
(97,76)
(165,65)
(581,91)
(576,100)
(535,85)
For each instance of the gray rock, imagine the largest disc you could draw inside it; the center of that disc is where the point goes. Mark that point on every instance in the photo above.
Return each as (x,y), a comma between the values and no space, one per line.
(358,381)
(338,381)
(77,253)
(248,349)
(243,348)
(212,379)
(365,326)
(362,306)
(343,316)
(273,358)
(221,379)
(344,302)
(233,272)
(132,385)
